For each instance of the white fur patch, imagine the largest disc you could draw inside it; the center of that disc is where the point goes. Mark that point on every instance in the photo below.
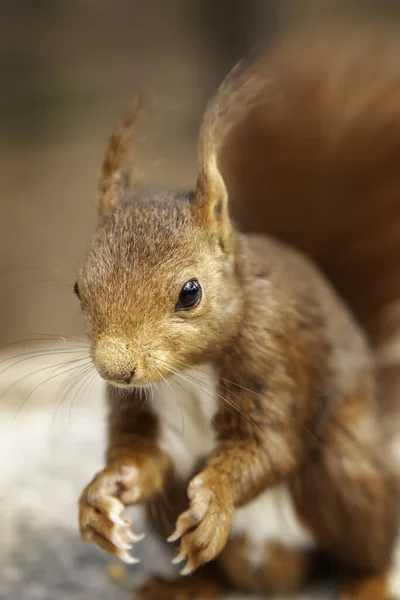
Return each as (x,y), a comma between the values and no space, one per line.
(271,517)
(186,406)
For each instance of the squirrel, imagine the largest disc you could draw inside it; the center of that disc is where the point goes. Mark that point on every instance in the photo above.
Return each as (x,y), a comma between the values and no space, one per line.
(246,330)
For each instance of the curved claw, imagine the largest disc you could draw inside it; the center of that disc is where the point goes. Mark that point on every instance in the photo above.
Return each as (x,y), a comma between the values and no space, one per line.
(179,558)
(122,545)
(187,570)
(128,559)
(115,516)
(135,537)
(174,537)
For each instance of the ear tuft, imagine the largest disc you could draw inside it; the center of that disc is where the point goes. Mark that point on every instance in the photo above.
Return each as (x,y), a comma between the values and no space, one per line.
(116,171)
(210,204)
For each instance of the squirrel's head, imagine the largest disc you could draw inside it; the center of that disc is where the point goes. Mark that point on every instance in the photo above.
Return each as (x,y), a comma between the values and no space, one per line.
(159,287)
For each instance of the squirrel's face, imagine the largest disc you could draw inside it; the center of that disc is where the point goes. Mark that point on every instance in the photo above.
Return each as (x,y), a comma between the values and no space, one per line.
(159,286)
(158,290)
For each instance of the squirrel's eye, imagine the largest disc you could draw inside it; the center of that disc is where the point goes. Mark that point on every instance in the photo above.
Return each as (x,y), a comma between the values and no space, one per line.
(76,291)
(190,295)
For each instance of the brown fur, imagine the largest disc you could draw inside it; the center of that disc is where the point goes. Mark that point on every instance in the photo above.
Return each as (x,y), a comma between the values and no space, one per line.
(296,377)
(312,157)
(284,570)
(124,265)
(116,171)
(368,588)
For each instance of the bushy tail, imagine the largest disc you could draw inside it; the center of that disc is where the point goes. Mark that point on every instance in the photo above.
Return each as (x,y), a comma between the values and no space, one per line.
(308,139)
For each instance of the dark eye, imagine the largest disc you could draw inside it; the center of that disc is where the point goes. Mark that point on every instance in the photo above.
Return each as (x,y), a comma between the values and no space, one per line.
(76,291)
(190,295)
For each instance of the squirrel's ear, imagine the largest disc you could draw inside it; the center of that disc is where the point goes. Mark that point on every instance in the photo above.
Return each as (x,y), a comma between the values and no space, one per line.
(210,204)
(116,171)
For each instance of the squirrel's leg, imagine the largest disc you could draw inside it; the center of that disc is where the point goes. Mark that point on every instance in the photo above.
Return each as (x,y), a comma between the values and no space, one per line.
(258,448)
(276,569)
(347,492)
(136,469)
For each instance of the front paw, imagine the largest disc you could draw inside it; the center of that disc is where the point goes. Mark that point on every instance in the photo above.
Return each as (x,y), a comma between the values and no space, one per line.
(204,528)
(101,506)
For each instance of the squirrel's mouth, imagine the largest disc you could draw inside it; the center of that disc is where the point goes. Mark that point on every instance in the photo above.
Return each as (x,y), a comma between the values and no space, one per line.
(136,384)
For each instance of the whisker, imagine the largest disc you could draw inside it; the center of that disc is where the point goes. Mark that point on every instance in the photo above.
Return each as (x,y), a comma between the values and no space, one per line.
(52,376)
(93,378)
(276,405)
(53,366)
(60,364)
(230,404)
(186,366)
(66,386)
(81,375)
(62,337)
(75,377)
(153,390)
(142,392)
(144,398)
(47,350)
(263,433)
(189,379)
(169,383)
(43,338)
(34,354)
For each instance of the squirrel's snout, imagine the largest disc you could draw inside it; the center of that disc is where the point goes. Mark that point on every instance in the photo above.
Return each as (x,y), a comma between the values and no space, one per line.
(114,361)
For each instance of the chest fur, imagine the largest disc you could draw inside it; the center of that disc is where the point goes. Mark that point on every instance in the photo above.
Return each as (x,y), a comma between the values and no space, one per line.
(186,406)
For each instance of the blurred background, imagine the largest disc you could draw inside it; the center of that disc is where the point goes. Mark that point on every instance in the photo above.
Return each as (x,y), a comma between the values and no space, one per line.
(68,68)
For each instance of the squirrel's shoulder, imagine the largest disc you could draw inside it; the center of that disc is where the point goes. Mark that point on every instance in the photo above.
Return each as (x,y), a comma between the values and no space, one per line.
(290,306)
(287,270)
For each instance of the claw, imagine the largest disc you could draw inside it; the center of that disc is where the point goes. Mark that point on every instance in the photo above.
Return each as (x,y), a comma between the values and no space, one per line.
(116,518)
(187,570)
(128,559)
(179,558)
(118,540)
(121,545)
(135,537)
(174,537)
(194,485)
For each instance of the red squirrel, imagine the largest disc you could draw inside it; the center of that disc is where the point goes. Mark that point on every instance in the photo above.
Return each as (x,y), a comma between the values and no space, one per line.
(252,378)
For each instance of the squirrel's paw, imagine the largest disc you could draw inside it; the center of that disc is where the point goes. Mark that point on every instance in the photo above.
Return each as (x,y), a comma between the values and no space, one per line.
(100,511)
(204,527)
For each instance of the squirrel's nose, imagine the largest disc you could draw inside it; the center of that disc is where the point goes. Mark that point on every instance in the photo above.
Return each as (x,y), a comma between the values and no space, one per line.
(118,377)
(114,361)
